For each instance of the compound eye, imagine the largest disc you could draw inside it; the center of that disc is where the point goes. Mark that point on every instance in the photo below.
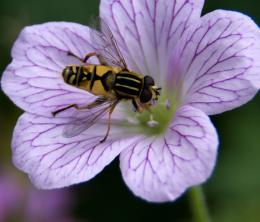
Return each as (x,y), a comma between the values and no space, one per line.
(145,96)
(148,81)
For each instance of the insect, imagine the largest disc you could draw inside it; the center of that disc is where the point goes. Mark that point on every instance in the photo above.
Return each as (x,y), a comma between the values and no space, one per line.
(111,81)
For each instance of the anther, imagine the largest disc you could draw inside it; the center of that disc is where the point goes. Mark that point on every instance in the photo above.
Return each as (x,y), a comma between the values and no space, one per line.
(152,122)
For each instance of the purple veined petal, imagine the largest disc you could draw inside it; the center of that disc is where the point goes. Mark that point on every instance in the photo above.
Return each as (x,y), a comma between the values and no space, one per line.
(33,80)
(148,30)
(254,75)
(160,169)
(52,161)
(217,66)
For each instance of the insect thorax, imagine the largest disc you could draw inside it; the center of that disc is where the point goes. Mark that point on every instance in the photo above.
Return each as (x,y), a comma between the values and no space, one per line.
(128,85)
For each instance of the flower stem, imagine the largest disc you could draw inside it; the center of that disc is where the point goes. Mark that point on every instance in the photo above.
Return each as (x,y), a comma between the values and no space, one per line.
(198,205)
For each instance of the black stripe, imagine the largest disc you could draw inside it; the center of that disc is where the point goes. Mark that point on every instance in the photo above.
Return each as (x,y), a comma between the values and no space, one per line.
(94,77)
(125,74)
(129,82)
(122,89)
(89,76)
(84,75)
(104,80)
(79,71)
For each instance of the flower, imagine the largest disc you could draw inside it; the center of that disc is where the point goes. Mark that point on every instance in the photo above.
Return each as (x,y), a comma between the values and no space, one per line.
(29,204)
(205,65)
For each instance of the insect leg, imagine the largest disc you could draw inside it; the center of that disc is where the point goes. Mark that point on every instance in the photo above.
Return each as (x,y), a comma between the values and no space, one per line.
(138,107)
(109,121)
(68,107)
(99,57)
(72,54)
(89,55)
(135,105)
(97,102)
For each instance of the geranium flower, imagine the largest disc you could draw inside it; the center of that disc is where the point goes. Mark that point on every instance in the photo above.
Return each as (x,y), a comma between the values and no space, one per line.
(205,65)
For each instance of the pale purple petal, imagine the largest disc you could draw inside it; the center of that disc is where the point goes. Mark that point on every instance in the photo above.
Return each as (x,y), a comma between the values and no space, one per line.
(33,80)
(52,160)
(148,30)
(161,168)
(217,66)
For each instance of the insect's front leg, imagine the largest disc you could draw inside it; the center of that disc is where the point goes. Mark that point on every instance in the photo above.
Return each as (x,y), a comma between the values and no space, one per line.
(135,105)
(140,107)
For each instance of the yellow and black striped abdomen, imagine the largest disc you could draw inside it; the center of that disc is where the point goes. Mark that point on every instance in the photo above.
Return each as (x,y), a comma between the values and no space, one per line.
(128,85)
(74,75)
(96,79)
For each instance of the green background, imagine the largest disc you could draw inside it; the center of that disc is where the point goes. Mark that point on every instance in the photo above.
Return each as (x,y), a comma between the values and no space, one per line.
(233,192)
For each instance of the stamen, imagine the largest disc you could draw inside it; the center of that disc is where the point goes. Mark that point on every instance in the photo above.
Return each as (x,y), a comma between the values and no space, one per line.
(167,104)
(152,122)
(156,119)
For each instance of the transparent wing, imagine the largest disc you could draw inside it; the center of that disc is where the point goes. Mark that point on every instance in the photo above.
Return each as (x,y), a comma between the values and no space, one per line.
(106,46)
(84,119)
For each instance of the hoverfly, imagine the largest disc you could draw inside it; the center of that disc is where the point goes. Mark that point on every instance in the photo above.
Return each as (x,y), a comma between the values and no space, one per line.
(111,81)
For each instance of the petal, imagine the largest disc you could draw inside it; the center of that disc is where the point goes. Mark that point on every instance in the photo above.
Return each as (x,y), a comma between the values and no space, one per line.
(217,63)
(148,30)
(52,160)
(33,80)
(161,168)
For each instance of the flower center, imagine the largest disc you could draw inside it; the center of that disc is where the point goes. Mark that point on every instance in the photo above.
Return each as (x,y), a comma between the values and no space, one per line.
(157,119)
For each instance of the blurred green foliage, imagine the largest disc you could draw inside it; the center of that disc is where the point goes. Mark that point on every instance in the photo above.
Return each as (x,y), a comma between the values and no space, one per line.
(233,192)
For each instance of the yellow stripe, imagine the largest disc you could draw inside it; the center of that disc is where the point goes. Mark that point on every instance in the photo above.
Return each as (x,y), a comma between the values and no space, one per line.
(66,74)
(132,79)
(85,72)
(129,87)
(78,73)
(72,79)
(74,69)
